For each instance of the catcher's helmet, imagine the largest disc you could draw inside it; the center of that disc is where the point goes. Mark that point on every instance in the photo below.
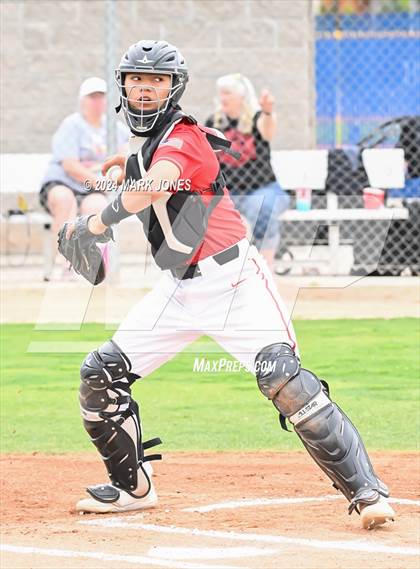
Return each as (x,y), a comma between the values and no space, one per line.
(150,56)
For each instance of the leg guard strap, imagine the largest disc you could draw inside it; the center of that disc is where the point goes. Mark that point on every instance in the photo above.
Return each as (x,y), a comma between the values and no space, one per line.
(325,431)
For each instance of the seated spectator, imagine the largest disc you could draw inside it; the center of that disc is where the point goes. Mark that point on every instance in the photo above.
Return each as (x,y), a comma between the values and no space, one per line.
(78,150)
(250,125)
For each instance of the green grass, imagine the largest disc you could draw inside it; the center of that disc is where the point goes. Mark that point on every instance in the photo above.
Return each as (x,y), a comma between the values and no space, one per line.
(371,366)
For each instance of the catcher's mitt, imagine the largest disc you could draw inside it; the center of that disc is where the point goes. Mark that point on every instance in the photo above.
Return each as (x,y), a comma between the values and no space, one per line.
(82,250)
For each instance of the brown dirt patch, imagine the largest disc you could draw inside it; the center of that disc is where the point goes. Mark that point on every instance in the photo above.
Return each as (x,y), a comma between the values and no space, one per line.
(39,492)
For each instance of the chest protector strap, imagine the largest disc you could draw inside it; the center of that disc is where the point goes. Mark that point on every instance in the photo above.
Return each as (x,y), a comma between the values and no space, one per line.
(175,225)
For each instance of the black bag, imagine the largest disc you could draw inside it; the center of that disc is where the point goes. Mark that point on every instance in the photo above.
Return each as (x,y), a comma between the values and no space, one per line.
(402,244)
(400,250)
(346,173)
(409,141)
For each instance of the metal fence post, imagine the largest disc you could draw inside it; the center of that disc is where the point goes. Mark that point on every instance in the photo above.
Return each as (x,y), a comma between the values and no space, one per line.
(111,40)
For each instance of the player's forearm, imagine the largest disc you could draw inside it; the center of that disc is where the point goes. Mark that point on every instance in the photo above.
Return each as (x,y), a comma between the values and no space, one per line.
(150,188)
(143,192)
(127,204)
(138,197)
(135,202)
(267,125)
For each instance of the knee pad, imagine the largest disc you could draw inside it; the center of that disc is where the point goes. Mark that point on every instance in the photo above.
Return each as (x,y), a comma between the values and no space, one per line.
(105,381)
(275,365)
(112,418)
(295,392)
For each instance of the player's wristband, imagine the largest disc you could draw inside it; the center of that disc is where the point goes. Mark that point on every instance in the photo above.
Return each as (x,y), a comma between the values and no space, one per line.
(114,212)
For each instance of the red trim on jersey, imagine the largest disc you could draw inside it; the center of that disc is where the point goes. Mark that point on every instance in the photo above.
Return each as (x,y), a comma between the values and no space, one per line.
(264,278)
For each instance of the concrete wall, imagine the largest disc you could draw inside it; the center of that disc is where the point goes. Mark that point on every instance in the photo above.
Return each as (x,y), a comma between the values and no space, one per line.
(49,47)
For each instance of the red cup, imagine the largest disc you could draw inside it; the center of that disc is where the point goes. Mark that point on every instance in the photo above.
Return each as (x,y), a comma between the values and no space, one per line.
(373,198)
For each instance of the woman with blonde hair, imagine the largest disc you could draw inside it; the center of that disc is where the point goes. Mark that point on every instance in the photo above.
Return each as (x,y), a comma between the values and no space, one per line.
(250,125)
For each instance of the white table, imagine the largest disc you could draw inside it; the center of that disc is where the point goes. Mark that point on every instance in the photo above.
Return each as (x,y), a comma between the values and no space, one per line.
(332,218)
(22,173)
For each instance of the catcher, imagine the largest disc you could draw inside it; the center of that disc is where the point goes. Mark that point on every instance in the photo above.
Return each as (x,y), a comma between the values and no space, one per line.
(199,241)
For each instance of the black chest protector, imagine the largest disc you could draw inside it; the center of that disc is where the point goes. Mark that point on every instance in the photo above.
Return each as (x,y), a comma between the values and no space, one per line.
(175,224)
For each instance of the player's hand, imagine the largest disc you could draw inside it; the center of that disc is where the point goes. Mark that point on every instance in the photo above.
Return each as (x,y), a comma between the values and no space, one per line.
(80,246)
(70,228)
(118,161)
(95,226)
(266,101)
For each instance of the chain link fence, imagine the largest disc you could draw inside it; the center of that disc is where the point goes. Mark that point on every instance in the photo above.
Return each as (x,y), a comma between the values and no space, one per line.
(367,69)
(361,79)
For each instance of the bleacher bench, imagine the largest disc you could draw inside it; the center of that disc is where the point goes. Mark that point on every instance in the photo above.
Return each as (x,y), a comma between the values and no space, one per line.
(22,174)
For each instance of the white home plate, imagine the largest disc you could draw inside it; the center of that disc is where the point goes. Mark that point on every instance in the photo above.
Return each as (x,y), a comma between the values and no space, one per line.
(174,553)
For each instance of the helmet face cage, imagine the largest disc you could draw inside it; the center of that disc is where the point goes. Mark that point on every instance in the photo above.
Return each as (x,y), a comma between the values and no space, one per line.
(142,121)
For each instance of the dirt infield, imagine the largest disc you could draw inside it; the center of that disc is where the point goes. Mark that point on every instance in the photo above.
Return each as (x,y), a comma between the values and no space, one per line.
(267,522)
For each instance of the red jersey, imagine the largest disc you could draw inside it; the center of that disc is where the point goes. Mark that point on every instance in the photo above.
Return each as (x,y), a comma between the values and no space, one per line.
(187,147)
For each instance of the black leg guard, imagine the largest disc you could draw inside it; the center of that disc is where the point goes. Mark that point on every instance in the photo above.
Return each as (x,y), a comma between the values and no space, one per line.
(326,432)
(112,420)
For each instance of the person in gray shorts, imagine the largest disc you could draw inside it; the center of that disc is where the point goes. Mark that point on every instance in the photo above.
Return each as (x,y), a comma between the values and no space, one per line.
(78,151)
